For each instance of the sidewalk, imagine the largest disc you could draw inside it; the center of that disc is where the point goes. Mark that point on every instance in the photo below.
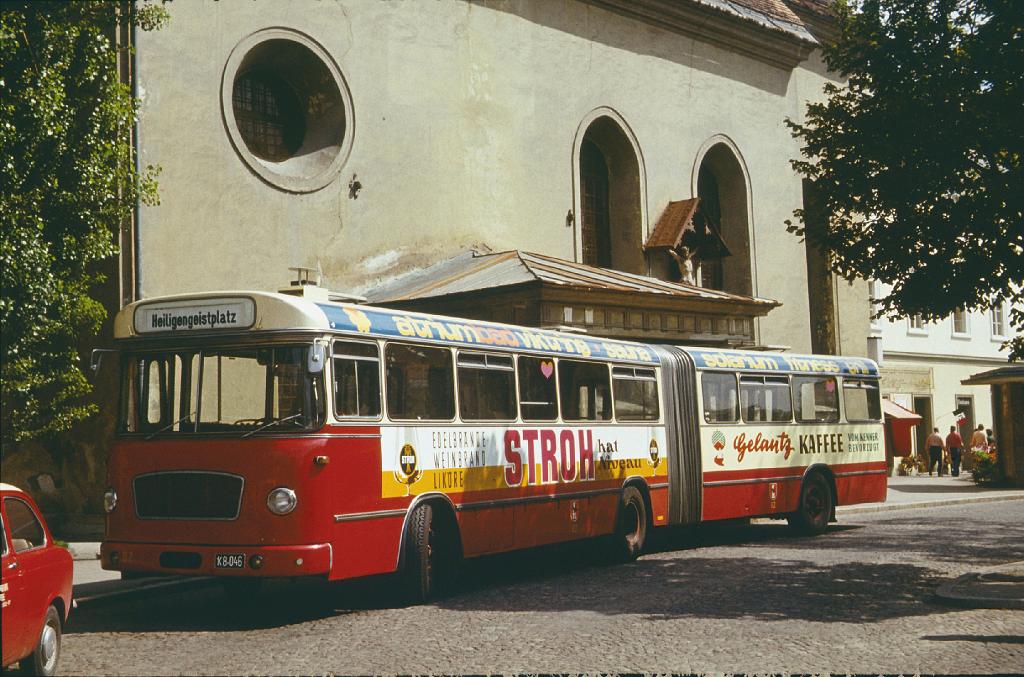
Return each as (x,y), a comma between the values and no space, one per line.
(919,491)
(998,587)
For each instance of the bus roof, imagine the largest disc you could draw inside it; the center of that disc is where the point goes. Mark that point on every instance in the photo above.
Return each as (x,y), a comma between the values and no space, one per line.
(741,360)
(212,313)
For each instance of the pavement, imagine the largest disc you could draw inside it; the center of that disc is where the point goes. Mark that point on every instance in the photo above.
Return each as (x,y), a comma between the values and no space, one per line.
(1000,587)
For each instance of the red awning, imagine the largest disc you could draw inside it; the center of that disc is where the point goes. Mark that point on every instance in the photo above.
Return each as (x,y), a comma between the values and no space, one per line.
(895,411)
(898,425)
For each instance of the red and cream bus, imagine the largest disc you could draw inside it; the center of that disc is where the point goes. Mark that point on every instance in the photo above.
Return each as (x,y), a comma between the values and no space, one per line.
(266,435)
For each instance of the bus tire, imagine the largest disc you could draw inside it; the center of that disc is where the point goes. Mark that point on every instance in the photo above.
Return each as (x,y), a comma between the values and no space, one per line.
(428,556)
(815,507)
(630,526)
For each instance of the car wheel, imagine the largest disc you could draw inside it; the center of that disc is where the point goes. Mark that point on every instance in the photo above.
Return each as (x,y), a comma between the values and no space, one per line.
(44,657)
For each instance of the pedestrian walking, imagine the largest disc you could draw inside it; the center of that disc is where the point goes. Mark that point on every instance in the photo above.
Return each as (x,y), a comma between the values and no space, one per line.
(979,440)
(935,446)
(955,445)
(991,439)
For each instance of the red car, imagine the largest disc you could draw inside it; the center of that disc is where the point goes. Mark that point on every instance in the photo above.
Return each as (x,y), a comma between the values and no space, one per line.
(35,588)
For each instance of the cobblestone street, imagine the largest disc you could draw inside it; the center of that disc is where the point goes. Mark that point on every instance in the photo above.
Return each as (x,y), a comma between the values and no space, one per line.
(745,598)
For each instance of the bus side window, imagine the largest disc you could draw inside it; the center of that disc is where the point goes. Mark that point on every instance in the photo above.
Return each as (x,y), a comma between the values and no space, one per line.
(356,380)
(487,387)
(585,391)
(780,399)
(816,399)
(719,394)
(862,400)
(752,399)
(636,394)
(420,382)
(765,399)
(538,399)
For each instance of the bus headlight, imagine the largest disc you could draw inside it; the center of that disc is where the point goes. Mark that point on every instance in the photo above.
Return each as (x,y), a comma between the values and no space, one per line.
(109,499)
(281,501)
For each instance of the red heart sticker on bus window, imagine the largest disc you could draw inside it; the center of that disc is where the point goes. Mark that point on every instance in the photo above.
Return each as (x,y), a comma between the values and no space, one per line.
(547,368)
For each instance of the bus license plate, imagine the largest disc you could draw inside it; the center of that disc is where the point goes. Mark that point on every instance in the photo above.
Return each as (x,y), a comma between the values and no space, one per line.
(230,561)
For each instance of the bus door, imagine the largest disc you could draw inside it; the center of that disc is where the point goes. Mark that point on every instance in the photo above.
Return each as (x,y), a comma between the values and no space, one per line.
(682,435)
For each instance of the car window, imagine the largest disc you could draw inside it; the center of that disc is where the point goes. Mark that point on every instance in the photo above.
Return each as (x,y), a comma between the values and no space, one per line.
(3,534)
(26,530)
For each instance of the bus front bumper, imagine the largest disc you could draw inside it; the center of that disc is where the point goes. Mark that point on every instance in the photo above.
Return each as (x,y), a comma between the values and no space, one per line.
(219,560)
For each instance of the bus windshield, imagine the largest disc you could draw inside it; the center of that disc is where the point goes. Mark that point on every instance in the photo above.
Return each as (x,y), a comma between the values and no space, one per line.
(245,390)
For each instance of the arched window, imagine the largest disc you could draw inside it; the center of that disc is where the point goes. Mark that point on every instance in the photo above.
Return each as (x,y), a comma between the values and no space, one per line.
(597,247)
(609,199)
(724,212)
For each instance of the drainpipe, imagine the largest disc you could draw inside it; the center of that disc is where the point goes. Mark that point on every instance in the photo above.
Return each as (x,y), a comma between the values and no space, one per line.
(137,209)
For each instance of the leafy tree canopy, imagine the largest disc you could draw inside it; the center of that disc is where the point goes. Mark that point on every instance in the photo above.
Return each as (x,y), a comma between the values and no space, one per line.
(69,184)
(917,160)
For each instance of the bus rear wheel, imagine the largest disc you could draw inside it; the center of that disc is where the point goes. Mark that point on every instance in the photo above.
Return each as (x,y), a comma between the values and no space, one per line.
(630,526)
(815,508)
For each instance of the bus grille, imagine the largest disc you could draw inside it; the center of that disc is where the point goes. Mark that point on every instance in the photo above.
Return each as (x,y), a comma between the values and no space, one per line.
(188,495)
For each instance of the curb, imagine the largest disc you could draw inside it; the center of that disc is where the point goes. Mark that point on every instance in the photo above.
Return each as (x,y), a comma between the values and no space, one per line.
(143,589)
(885,507)
(948,593)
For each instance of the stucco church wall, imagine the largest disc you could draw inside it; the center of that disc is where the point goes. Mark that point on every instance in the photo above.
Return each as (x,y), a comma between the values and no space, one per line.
(465,118)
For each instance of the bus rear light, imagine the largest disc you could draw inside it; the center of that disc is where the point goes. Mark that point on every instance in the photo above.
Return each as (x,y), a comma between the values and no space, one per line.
(109,499)
(256,562)
(281,501)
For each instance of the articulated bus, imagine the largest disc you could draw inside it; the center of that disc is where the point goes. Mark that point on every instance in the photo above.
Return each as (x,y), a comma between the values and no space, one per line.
(277,435)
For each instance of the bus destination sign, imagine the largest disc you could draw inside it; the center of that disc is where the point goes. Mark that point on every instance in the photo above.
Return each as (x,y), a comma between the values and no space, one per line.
(195,315)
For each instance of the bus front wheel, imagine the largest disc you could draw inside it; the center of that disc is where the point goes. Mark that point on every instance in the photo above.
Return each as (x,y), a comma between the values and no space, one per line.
(815,508)
(630,526)
(429,555)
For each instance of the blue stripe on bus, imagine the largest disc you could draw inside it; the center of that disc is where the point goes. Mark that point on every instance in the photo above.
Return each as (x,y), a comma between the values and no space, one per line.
(399,324)
(706,358)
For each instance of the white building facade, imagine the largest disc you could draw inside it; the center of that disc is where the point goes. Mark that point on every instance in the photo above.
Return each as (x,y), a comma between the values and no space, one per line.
(923,364)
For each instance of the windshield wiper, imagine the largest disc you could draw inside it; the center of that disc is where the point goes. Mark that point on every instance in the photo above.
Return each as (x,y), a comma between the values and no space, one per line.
(170,425)
(272,422)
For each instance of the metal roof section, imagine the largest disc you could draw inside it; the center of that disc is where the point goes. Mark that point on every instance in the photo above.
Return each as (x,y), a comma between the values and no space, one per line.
(473,272)
(1013,373)
(827,365)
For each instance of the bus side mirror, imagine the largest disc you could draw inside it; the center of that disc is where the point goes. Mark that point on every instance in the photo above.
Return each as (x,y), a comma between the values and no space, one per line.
(96,360)
(317,358)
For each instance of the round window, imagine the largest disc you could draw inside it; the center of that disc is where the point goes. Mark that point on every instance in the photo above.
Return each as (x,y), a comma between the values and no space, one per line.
(269,116)
(287,109)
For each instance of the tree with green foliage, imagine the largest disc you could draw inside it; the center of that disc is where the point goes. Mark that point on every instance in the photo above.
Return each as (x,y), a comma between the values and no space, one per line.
(916,162)
(69,184)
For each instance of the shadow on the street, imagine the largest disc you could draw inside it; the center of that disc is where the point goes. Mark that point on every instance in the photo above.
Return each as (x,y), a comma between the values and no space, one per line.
(577,576)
